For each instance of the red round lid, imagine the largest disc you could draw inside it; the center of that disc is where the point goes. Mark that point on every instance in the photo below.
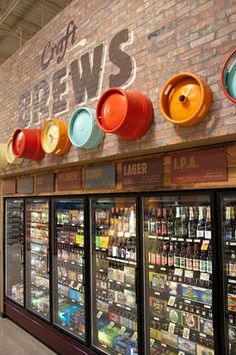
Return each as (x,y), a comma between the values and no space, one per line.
(113,111)
(19,143)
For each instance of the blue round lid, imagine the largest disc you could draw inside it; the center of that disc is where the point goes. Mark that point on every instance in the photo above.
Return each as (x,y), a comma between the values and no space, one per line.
(230,79)
(81,126)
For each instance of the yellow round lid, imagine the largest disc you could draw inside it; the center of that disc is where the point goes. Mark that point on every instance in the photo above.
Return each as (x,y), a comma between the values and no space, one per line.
(50,136)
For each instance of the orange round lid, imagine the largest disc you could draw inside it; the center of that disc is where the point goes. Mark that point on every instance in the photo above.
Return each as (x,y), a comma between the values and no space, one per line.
(113,111)
(184,99)
(19,143)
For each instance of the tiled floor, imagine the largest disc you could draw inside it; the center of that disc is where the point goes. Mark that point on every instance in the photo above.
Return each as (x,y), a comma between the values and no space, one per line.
(15,341)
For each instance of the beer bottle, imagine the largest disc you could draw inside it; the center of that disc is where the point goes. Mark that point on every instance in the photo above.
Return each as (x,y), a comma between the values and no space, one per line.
(177,226)
(208,223)
(171,256)
(201,223)
(229,224)
(191,224)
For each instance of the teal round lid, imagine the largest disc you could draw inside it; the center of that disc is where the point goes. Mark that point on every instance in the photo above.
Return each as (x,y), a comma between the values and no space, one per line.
(81,126)
(230,78)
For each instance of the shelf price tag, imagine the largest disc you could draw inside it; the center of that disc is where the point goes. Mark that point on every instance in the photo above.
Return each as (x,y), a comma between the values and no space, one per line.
(189,274)
(110,325)
(171,301)
(99,314)
(186,333)
(171,328)
(134,336)
(178,272)
(205,245)
(152,342)
(122,330)
(204,276)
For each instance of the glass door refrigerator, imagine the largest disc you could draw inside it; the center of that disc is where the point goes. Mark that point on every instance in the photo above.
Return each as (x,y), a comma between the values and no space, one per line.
(228,224)
(69,266)
(37,257)
(14,250)
(114,294)
(178,251)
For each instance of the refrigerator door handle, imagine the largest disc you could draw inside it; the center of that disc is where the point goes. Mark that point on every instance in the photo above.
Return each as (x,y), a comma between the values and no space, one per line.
(83,266)
(48,271)
(137,284)
(22,253)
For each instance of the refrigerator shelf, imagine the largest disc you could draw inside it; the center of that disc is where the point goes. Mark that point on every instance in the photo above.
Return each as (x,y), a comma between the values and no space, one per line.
(71,299)
(70,244)
(36,224)
(231,280)
(38,253)
(232,244)
(37,241)
(101,249)
(61,224)
(124,261)
(43,275)
(39,286)
(68,263)
(119,305)
(69,285)
(123,284)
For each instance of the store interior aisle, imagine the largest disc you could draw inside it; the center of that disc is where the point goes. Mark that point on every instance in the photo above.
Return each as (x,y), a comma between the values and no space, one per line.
(15,341)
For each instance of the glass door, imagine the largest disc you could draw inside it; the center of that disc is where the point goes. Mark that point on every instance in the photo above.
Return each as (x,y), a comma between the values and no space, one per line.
(178,272)
(113,281)
(228,225)
(14,250)
(68,266)
(37,257)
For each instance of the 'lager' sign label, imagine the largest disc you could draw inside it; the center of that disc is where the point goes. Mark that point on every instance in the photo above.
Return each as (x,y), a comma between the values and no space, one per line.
(143,172)
(199,166)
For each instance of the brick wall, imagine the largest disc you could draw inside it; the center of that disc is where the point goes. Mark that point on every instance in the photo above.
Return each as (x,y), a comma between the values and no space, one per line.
(165,37)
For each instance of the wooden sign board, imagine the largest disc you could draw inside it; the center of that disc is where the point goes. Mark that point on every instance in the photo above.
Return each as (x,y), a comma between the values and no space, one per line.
(9,187)
(208,165)
(69,180)
(142,172)
(44,183)
(100,177)
(25,185)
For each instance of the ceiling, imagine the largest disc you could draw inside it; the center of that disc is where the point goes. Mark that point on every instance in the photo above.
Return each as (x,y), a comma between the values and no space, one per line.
(21,19)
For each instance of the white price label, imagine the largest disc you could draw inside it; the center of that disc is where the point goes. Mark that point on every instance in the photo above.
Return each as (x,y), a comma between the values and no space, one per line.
(178,272)
(135,336)
(171,328)
(120,234)
(127,234)
(152,342)
(171,301)
(186,333)
(204,276)
(110,325)
(189,273)
(122,330)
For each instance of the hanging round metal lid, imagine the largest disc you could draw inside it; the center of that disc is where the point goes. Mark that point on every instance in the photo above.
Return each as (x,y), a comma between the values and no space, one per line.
(185,99)
(54,137)
(228,77)
(11,158)
(3,158)
(83,129)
